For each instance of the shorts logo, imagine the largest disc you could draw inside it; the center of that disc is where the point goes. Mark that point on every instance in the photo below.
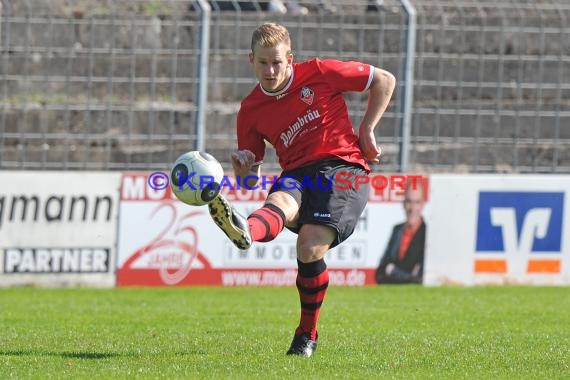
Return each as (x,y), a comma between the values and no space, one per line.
(322,215)
(518,229)
(307,95)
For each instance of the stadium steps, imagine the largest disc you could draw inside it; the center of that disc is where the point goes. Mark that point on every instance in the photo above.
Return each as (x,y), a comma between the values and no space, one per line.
(62,86)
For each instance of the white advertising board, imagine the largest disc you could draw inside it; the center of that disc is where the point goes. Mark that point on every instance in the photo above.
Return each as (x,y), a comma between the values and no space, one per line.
(58,228)
(498,229)
(165,242)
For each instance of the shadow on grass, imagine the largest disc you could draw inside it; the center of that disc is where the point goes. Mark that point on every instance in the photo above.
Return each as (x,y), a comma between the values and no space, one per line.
(72,355)
(68,355)
(89,355)
(86,355)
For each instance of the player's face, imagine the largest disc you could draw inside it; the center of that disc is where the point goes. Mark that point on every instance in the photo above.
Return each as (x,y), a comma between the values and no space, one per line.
(413,205)
(272,66)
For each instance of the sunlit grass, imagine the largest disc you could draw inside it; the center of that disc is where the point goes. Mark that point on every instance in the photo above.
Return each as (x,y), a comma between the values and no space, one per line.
(373,332)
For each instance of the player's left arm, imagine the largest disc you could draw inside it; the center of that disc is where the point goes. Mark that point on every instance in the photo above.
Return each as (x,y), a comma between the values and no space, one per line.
(380,93)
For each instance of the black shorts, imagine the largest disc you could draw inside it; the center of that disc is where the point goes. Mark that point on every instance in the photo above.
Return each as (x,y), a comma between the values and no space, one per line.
(322,199)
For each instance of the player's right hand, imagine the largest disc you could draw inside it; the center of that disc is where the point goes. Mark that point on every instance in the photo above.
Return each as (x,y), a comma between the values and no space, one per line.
(242,161)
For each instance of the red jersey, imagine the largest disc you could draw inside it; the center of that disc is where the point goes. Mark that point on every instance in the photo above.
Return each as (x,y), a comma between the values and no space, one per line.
(308,119)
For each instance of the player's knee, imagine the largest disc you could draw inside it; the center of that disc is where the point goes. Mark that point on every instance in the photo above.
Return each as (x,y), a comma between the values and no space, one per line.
(314,241)
(287,204)
(307,253)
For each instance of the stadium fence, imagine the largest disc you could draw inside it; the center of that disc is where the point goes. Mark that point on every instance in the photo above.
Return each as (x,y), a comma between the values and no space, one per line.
(483,86)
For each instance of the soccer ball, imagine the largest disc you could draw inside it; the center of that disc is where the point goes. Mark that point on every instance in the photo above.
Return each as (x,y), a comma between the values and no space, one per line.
(195,178)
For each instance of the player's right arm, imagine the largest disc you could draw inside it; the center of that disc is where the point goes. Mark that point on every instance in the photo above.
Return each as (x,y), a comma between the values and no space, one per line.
(247,159)
(243,162)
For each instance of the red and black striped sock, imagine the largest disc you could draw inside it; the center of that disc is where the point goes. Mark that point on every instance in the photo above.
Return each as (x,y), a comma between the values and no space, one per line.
(312,283)
(266,223)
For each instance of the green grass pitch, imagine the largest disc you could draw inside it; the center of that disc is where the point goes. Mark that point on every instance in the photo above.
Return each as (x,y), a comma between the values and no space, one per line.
(399,332)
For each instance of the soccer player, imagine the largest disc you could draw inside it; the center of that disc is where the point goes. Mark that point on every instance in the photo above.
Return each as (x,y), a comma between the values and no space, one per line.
(299,108)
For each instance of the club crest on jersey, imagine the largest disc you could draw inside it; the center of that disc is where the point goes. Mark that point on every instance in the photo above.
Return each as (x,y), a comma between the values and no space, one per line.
(307,95)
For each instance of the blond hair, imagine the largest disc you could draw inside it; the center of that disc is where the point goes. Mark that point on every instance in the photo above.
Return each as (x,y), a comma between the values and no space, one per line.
(270,34)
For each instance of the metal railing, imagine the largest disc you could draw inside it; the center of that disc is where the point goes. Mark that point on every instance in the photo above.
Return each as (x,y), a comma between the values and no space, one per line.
(492,87)
(115,85)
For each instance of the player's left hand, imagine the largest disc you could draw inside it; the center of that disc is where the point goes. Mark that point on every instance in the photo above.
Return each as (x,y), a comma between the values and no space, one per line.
(370,150)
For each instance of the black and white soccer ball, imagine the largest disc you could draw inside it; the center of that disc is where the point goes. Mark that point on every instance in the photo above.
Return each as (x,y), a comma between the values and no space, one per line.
(196,177)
